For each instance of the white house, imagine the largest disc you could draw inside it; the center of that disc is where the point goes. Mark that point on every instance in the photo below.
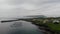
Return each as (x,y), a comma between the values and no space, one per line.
(56,21)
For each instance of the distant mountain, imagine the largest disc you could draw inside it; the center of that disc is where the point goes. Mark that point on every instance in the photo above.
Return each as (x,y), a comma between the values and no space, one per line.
(37,16)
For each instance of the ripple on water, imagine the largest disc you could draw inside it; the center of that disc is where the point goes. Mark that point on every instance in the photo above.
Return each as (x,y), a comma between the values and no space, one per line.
(24,28)
(19,27)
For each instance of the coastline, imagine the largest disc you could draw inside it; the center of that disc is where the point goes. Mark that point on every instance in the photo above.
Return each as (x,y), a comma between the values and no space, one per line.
(43,26)
(44,29)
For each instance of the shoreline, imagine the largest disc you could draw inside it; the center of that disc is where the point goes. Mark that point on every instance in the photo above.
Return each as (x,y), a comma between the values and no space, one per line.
(44,29)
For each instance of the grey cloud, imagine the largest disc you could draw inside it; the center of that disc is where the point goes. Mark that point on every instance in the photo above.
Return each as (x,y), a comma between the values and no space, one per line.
(14,2)
(14,8)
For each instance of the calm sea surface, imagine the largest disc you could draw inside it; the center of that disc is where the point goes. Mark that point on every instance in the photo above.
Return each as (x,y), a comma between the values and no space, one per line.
(19,27)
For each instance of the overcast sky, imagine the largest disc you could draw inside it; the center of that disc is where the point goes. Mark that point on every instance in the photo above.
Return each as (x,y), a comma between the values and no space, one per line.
(17,8)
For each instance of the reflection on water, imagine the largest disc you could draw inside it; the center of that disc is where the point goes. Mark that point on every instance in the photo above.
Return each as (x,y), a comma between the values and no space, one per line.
(16,24)
(19,27)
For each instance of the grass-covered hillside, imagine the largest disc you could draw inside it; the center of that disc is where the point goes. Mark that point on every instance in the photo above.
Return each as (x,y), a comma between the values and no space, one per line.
(53,23)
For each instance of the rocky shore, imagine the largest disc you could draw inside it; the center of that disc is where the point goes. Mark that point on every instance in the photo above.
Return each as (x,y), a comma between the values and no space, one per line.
(45,29)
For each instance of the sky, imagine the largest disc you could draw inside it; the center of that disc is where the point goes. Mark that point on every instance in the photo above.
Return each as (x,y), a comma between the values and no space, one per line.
(18,8)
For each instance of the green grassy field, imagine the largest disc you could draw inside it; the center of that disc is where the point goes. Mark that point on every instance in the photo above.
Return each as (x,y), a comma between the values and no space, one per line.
(52,26)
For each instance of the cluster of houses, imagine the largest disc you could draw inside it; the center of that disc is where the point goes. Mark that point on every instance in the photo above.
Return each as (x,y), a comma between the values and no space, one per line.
(55,21)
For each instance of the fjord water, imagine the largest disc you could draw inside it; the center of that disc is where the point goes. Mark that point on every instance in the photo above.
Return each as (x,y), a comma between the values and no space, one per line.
(19,27)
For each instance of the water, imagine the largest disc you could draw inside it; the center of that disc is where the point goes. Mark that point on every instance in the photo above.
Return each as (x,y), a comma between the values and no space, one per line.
(19,27)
